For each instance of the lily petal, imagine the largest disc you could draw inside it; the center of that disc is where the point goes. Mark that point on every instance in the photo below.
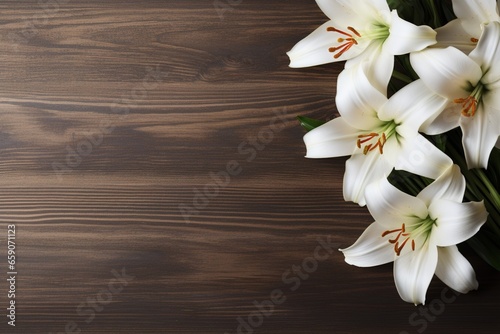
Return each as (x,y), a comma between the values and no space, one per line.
(413,273)
(475,13)
(360,171)
(445,121)
(391,207)
(314,49)
(358,100)
(448,72)
(412,106)
(487,53)
(370,249)
(376,64)
(480,134)
(450,185)
(453,34)
(335,138)
(348,11)
(405,37)
(421,157)
(455,271)
(455,222)
(393,147)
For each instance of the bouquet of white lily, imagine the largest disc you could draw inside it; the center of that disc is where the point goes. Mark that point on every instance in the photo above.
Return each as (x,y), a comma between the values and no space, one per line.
(419,105)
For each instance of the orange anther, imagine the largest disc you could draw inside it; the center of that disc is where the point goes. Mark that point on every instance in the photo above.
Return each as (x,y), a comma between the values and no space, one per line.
(349,42)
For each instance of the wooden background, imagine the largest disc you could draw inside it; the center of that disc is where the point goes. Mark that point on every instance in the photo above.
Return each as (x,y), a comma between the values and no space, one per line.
(171,92)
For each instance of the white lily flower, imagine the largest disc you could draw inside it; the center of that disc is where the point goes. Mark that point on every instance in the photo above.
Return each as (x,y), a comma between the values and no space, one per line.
(379,133)
(361,29)
(420,235)
(472,86)
(464,32)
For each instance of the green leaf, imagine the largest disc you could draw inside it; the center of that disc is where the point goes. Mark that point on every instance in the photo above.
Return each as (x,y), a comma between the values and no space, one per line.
(486,248)
(407,182)
(440,142)
(434,13)
(447,11)
(494,167)
(309,123)
(411,11)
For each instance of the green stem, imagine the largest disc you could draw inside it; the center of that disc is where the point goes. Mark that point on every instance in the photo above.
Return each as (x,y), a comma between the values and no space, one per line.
(435,14)
(494,196)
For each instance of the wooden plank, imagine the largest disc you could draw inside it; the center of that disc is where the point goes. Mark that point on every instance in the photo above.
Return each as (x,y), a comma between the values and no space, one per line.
(152,164)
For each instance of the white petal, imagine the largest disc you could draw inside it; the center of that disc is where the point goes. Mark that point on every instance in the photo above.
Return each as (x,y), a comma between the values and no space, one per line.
(450,185)
(474,13)
(413,273)
(314,49)
(446,120)
(391,207)
(448,72)
(370,249)
(491,100)
(420,157)
(358,100)
(487,53)
(392,149)
(360,171)
(455,271)
(345,12)
(456,222)
(480,134)
(453,34)
(412,106)
(333,139)
(339,10)
(376,64)
(405,37)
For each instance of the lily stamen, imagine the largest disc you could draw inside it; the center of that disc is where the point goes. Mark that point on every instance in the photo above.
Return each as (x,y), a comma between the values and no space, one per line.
(349,42)
(364,138)
(398,248)
(354,31)
(469,105)
(343,48)
(401,232)
(370,147)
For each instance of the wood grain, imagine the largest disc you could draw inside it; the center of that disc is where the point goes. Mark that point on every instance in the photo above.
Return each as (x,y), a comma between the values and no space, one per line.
(115,115)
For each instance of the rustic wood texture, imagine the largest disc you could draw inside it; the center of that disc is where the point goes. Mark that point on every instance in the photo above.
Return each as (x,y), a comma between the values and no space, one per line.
(116,114)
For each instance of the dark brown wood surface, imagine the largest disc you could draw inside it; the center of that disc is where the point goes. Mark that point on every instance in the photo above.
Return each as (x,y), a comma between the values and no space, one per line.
(118,116)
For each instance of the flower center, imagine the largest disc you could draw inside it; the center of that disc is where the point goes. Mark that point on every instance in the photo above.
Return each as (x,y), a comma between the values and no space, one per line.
(345,42)
(377,139)
(368,141)
(401,236)
(469,104)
